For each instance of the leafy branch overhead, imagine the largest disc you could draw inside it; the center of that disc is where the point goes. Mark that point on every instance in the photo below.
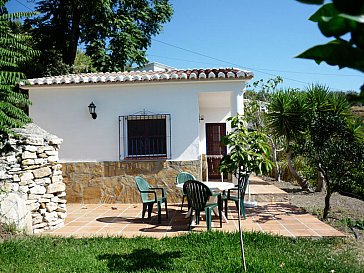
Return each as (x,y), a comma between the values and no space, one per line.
(339,20)
(13,52)
(115,33)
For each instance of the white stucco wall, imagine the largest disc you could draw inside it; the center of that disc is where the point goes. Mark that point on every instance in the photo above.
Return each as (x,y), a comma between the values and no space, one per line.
(63,111)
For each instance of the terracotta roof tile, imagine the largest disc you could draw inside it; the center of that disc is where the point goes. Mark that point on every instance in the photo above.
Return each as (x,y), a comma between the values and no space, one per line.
(142,76)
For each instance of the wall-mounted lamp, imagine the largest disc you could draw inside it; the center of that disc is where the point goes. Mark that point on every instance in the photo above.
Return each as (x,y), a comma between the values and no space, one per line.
(92,110)
(201,117)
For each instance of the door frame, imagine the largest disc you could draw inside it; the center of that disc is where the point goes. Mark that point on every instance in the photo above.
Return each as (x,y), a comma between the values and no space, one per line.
(214,154)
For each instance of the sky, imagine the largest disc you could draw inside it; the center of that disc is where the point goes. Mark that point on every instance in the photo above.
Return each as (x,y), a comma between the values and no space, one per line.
(262,36)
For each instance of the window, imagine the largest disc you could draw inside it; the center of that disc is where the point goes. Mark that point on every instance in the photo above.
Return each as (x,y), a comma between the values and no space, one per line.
(145,136)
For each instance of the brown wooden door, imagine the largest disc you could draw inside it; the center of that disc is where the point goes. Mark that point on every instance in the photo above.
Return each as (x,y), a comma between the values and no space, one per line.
(214,150)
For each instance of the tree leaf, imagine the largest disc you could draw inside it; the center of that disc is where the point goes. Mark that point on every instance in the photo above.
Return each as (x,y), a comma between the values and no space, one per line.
(335,26)
(357,18)
(337,52)
(313,2)
(352,7)
(327,10)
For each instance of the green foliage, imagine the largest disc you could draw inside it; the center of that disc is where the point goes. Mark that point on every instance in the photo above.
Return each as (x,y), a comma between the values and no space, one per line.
(358,224)
(115,34)
(319,125)
(249,151)
(13,52)
(334,137)
(83,63)
(9,228)
(255,99)
(355,99)
(286,113)
(194,252)
(340,19)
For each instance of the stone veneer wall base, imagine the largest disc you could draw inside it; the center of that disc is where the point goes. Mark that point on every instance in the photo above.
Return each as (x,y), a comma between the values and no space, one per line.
(113,182)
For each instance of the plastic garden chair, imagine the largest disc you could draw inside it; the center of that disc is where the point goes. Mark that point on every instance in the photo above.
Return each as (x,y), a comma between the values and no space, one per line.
(149,196)
(181,178)
(232,194)
(198,195)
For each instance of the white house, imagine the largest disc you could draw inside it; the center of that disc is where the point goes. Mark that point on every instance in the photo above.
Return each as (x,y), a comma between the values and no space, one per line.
(167,116)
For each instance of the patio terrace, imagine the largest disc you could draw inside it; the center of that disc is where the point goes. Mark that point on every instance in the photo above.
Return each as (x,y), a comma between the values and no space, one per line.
(272,215)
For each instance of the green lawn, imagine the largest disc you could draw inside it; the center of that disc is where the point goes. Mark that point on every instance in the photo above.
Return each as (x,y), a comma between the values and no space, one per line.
(194,252)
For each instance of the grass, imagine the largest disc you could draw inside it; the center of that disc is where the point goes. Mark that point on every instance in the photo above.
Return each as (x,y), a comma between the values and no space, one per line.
(194,252)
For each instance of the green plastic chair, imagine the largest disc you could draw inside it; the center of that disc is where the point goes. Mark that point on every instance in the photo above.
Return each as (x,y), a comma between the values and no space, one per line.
(198,195)
(149,196)
(181,178)
(232,194)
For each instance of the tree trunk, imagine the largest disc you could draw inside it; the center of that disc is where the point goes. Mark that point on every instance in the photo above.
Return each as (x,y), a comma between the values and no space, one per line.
(301,180)
(276,168)
(241,181)
(320,181)
(62,43)
(73,37)
(327,202)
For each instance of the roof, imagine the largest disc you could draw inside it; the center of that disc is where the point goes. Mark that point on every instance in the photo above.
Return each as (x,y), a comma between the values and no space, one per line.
(145,76)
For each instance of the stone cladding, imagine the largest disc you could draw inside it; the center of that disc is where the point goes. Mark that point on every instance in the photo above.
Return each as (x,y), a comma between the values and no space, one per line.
(113,182)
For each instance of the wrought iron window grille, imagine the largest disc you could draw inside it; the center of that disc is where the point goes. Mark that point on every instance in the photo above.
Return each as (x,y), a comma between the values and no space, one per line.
(145,136)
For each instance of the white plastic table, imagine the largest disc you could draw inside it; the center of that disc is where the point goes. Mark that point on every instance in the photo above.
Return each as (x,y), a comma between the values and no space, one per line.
(214,187)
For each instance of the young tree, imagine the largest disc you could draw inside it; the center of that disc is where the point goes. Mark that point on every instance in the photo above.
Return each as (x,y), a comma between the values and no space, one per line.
(13,52)
(114,33)
(319,125)
(256,100)
(249,151)
(334,138)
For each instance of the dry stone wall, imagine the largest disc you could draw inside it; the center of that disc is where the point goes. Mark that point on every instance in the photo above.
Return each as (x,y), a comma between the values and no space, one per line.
(32,192)
(113,182)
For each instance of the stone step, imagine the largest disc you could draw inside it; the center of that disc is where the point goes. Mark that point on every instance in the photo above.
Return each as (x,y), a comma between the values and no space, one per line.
(262,191)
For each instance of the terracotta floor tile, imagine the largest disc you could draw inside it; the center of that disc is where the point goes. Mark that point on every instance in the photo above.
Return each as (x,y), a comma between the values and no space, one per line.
(89,229)
(76,223)
(110,230)
(318,226)
(252,228)
(281,232)
(271,226)
(279,217)
(303,232)
(330,233)
(295,226)
(101,220)
(67,229)
(288,221)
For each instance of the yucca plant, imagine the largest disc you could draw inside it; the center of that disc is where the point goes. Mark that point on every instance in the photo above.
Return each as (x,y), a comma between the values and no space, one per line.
(14,50)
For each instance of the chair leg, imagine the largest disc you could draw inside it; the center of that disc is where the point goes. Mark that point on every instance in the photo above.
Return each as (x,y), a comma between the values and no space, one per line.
(183,199)
(220,210)
(145,205)
(191,218)
(197,216)
(165,204)
(226,208)
(159,205)
(150,209)
(208,218)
